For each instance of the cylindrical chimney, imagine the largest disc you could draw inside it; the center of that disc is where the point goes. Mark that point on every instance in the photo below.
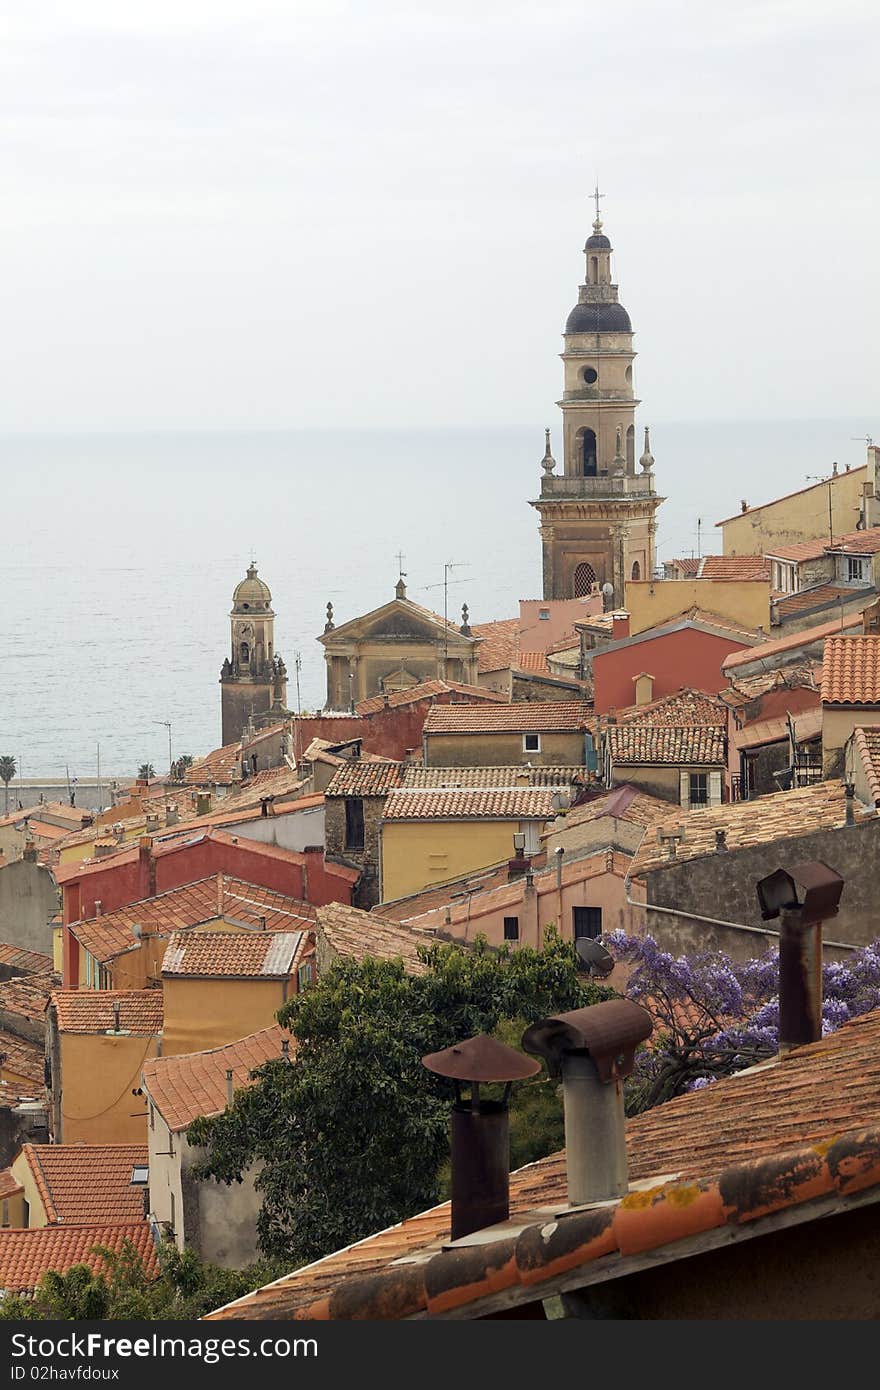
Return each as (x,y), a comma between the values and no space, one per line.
(800,980)
(229,1091)
(593,1050)
(480,1129)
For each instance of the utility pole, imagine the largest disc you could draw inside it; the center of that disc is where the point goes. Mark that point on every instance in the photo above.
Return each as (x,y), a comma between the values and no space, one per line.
(166,723)
(100,792)
(815,478)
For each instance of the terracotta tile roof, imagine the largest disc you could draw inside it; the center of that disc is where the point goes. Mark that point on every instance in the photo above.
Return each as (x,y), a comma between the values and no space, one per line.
(647,745)
(414,905)
(683,708)
(470,803)
(851,670)
(792,643)
(274,781)
(523,716)
(866,542)
(9,1185)
(798,551)
(425,690)
(800,1128)
(107,936)
(500,776)
(356,778)
(44,830)
(498,649)
(25,1256)
(82,1184)
(757,733)
(216,766)
(21,1057)
(625,802)
(533,662)
(91,1010)
(355,935)
(734,567)
(867,748)
(689,565)
(235,955)
(194,1083)
(28,962)
(806,675)
(27,995)
(17,817)
(822,596)
(779,816)
(705,616)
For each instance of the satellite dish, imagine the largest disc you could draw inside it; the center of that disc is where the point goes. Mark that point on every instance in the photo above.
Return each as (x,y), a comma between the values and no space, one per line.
(598,961)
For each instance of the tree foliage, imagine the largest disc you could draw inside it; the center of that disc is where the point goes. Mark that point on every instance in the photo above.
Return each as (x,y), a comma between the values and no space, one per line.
(8,769)
(350,1134)
(146,772)
(715,1016)
(186,1288)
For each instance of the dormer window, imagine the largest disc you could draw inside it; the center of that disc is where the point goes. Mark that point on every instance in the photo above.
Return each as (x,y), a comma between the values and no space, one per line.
(857,569)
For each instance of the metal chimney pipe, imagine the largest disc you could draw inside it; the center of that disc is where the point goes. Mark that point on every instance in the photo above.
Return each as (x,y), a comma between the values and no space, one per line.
(593,1050)
(229,1091)
(800,980)
(480,1129)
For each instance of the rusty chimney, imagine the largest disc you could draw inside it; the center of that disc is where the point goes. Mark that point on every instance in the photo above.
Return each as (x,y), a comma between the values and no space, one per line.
(802,897)
(480,1128)
(593,1050)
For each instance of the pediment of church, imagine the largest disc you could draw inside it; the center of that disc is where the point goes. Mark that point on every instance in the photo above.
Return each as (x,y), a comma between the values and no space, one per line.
(397,620)
(400,679)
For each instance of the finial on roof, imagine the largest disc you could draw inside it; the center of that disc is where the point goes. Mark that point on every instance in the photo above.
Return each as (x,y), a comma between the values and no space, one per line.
(597,225)
(647,459)
(619,465)
(400,588)
(465,625)
(329,625)
(548,462)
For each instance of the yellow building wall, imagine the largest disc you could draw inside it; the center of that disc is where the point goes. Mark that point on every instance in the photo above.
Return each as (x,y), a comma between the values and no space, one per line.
(142,968)
(801,517)
(76,854)
(21,1170)
(99,1072)
(838,722)
(503,750)
(653,601)
(416,854)
(12,1212)
(58,949)
(208,1013)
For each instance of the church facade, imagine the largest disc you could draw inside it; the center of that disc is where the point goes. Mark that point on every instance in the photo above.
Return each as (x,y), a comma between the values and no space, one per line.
(253,679)
(598,522)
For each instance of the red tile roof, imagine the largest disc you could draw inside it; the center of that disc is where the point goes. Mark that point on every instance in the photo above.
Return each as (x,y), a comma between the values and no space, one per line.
(91,1010)
(356,778)
(25,1256)
(512,775)
(234,955)
(806,599)
(216,766)
(28,962)
(792,643)
(194,1083)
(470,803)
(27,995)
(523,716)
(425,690)
(624,802)
(220,895)
(793,1131)
(355,935)
(798,551)
(851,670)
(867,748)
(21,1057)
(9,1185)
(647,745)
(865,542)
(683,708)
(83,1184)
(689,565)
(734,567)
(500,644)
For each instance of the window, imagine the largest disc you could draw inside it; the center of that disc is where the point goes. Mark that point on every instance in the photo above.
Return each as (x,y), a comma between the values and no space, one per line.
(587,921)
(544,615)
(856,569)
(354,822)
(588,453)
(245,652)
(698,788)
(531,743)
(304,976)
(636,570)
(511,929)
(584,579)
(590,375)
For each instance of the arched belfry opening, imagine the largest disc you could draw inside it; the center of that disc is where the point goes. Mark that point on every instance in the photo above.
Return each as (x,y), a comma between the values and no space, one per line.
(589,462)
(584,579)
(245,653)
(636,570)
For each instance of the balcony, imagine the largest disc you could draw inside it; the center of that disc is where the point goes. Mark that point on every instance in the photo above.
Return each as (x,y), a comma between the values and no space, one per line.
(605,485)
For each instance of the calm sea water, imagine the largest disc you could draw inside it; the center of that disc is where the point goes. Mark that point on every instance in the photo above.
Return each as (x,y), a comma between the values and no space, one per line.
(119,555)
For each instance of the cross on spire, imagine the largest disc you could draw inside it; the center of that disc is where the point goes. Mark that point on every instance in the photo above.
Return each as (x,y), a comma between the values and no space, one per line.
(400,559)
(597,195)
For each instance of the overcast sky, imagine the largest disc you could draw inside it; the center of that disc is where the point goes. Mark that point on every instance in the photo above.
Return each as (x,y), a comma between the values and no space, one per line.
(278,213)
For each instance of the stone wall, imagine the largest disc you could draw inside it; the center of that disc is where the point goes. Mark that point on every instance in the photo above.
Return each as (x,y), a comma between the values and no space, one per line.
(29,900)
(367,892)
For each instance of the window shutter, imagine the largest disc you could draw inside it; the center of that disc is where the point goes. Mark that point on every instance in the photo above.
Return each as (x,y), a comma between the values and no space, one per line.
(684,789)
(714,788)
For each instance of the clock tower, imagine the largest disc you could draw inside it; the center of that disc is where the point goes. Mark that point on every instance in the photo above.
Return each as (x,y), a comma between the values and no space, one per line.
(253,679)
(598,516)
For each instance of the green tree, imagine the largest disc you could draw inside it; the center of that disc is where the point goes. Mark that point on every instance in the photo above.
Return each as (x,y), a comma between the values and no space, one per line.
(351,1133)
(146,771)
(8,769)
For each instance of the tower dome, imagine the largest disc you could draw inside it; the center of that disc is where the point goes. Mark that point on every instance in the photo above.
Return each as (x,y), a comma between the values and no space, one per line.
(252,592)
(601,316)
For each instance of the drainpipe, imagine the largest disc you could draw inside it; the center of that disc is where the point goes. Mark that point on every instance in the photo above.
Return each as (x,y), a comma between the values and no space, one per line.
(593,1050)
(559,852)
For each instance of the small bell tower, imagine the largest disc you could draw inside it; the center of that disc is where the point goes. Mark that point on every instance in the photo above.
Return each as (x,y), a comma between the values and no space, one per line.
(253,678)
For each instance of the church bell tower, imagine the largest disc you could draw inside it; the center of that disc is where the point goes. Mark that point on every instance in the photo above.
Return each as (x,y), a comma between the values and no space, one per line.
(253,679)
(598,522)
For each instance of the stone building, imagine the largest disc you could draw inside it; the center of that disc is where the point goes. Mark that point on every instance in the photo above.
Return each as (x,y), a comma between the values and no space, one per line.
(253,679)
(393,648)
(598,518)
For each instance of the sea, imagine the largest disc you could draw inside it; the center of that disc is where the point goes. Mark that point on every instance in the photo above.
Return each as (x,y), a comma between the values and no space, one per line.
(119,555)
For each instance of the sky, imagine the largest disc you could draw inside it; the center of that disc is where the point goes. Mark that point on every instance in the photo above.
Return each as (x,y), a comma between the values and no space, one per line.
(219,215)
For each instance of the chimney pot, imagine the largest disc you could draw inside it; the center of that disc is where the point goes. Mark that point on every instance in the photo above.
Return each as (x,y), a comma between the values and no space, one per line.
(229,1090)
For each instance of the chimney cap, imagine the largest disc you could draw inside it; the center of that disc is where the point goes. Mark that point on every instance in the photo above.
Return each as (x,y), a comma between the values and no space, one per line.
(481,1059)
(812,886)
(609,1032)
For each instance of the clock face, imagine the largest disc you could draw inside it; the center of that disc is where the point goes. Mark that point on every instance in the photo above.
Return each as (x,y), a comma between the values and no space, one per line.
(246,632)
